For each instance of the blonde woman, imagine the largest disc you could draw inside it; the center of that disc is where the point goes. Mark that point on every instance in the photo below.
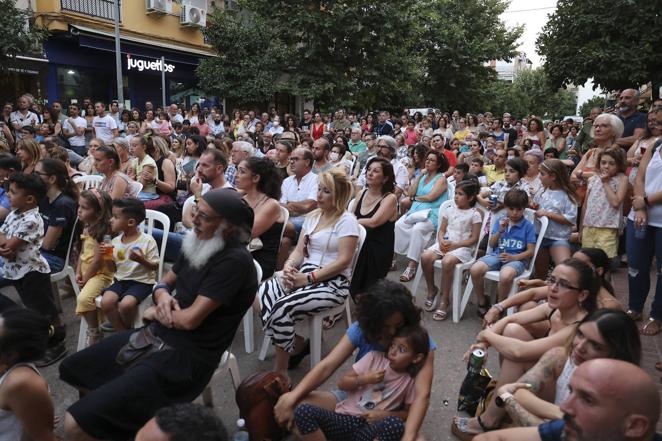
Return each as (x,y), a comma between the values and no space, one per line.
(87,164)
(316,276)
(29,153)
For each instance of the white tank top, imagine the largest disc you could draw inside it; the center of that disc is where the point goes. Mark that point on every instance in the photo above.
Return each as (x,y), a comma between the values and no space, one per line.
(562,383)
(653,184)
(10,426)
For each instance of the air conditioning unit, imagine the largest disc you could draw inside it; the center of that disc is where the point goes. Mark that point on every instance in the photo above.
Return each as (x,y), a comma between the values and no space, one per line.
(158,6)
(193,15)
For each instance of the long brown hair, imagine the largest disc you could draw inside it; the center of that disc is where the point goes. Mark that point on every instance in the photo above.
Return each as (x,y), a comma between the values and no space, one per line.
(557,168)
(103,205)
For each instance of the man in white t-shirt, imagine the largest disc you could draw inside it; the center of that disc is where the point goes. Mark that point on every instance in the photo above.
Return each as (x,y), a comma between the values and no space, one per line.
(74,129)
(23,116)
(299,196)
(105,126)
(173,113)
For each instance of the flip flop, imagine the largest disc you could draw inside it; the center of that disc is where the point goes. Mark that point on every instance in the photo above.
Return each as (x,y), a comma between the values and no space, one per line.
(330,321)
(655,324)
(408,274)
(481,310)
(460,428)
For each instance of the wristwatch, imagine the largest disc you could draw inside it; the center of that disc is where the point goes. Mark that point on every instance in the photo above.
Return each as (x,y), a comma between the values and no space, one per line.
(501,400)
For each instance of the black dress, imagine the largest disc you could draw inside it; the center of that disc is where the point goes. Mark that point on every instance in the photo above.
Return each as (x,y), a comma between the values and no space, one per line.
(375,258)
(267,255)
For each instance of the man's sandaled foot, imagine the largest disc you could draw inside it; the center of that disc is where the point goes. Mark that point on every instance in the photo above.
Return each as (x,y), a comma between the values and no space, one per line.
(441,313)
(634,315)
(651,327)
(408,274)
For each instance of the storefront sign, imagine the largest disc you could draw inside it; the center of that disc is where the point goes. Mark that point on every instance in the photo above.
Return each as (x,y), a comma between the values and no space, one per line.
(140,65)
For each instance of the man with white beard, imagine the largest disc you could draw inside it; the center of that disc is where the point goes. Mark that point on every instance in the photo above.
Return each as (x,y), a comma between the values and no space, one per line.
(188,331)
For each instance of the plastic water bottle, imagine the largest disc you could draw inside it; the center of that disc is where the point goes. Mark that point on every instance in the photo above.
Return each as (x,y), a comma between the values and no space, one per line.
(241,434)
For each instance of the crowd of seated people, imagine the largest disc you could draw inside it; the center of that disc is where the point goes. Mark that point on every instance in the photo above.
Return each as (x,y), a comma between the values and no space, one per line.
(296,199)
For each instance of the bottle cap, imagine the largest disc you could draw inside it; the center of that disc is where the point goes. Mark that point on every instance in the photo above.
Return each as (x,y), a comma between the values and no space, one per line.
(241,423)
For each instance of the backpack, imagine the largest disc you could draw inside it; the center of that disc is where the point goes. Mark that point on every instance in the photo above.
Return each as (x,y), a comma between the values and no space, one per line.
(256,397)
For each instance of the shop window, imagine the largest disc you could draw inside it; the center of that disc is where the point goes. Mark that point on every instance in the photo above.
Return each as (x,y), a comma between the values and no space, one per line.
(75,84)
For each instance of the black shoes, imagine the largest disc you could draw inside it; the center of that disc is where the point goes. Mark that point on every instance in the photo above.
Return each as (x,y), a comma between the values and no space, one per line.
(53,354)
(296,359)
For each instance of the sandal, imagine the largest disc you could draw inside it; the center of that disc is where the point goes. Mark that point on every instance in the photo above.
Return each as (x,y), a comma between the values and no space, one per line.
(654,325)
(634,315)
(408,274)
(441,313)
(430,303)
(481,310)
(330,321)
(460,428)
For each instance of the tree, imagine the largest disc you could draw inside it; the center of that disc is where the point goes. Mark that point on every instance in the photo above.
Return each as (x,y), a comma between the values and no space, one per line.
(615,42)
(457,39)
(364,54)
(353,53)
(530,93)
(596,101)
(19,35)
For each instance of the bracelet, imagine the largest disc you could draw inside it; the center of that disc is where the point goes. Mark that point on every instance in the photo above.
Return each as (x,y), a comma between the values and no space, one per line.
(312,274)
(161,285)
(499,307)
(309,278)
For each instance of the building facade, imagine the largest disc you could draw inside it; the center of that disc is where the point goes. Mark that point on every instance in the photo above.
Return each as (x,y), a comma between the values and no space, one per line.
(80,51)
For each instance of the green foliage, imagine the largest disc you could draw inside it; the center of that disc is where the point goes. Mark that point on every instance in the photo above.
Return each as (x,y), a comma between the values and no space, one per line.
(363,54)
(17,37)
(596,101)
(615,42)
(458,37)
(529,94)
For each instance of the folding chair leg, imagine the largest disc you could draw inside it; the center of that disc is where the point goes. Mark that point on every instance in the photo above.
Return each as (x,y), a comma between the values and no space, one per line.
(417,281)
(233,367)
(56,297)
(266,342)
(465,297)
(249,341)
(455,292)
(81,334)
(315,340)
(348,312)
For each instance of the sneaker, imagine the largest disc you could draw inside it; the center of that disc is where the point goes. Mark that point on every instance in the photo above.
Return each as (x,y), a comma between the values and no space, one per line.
(107,327)
(53,354)
(92,337)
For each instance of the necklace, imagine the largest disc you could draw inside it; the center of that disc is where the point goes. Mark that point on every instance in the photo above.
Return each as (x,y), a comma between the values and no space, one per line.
(257,203)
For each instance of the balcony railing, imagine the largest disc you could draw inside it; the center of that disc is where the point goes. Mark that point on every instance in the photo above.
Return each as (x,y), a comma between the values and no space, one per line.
(95,8)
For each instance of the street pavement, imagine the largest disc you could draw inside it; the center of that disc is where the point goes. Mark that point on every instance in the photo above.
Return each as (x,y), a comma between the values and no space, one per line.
(453,339)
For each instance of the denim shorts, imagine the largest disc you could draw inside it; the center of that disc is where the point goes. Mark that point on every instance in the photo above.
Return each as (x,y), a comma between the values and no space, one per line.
(494,264)
(340,394)
(553,243)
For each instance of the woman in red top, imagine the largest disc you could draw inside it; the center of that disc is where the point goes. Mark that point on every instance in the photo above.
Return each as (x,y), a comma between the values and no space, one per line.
(317,128)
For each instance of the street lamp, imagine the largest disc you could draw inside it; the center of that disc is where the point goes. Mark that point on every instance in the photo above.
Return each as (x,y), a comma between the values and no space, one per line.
(118,57)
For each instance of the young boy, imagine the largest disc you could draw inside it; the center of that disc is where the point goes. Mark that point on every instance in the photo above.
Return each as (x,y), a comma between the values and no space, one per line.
(476,169)
(21,236)
(512,241)
(135,259)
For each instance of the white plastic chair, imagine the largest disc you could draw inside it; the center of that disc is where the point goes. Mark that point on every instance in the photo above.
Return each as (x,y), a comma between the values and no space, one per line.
(315,321)
(67,272)
(228,361)
(494,275)
(249,335)
(87,182)
(460,268)
(147,227)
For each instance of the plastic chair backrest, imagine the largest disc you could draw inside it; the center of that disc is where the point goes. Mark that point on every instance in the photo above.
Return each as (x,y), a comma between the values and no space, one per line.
(359,246)
(89,181)
(148,226)
(286,218)
(258,270)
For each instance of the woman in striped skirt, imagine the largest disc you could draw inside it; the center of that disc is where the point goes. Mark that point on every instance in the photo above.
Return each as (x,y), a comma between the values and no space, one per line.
(316,276)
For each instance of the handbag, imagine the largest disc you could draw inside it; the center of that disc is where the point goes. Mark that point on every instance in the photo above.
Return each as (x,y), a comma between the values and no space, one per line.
(417,216)
(256,397)
(141,344)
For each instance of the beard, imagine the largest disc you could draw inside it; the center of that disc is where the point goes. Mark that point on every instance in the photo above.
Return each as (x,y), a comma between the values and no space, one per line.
(199,251)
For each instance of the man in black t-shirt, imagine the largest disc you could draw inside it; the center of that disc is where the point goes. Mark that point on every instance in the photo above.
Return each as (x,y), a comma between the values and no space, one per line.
(215,282)
(509,129)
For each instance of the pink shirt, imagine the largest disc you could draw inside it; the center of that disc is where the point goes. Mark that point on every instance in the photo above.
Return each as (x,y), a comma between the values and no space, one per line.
(396,389)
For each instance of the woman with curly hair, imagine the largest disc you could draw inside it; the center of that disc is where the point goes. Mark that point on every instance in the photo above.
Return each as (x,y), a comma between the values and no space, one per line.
(382,310)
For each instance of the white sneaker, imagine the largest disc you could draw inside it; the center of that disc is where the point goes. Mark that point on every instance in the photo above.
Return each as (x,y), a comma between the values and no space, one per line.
(92,336)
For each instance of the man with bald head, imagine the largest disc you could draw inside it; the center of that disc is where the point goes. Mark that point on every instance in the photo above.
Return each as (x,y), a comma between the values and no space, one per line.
(634,123)
(610,400)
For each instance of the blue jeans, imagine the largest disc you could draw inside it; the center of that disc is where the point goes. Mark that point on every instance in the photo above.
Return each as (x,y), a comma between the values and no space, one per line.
(174,245)
(640,254)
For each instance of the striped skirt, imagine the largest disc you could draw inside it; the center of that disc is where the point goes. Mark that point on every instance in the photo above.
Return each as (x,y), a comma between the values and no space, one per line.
(282,309)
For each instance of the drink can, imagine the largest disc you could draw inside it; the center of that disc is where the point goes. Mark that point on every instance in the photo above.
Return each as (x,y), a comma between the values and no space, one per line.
(476,360)
(493,200)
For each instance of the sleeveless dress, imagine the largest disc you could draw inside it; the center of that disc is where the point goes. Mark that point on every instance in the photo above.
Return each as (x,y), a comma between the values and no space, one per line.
(318,131)
(562,383)
(374,260)
(10,426)
(266,256)
(164,198)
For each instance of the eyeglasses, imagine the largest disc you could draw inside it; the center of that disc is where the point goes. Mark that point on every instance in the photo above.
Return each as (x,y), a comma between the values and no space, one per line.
(202,215)
(294,158)
(40,173)
(551,281)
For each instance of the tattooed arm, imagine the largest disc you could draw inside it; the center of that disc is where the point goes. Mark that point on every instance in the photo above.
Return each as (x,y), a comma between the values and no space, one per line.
(527,408)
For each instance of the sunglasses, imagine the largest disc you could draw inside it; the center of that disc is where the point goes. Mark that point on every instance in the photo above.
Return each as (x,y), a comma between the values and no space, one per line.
(306,242)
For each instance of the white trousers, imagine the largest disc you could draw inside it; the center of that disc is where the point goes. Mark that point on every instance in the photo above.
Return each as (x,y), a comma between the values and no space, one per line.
(411,240)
